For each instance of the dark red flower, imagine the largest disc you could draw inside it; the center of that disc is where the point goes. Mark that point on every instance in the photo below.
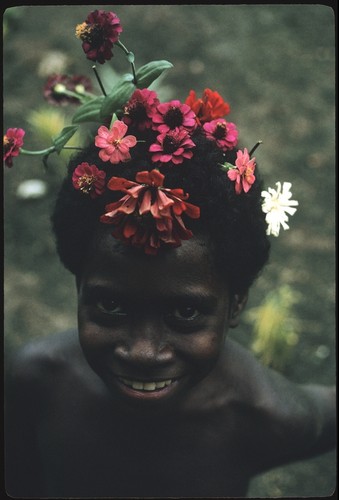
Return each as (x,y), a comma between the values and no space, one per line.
(173,146)
(149,215)
(57,88)
(98,33)
(12,142)
(89,179)
(209,107)
(173,114)
(140,108)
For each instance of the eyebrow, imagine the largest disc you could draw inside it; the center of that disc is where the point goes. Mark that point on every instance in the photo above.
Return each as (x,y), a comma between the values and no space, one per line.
(196,294)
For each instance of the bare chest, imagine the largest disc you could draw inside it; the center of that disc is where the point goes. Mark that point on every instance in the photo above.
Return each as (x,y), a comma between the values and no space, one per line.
(97,456)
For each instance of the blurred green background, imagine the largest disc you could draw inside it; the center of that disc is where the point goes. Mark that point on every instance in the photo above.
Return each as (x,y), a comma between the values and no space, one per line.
(275,65)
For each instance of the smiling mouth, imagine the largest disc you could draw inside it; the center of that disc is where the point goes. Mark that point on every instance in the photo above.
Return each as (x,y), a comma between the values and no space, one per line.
(148,386)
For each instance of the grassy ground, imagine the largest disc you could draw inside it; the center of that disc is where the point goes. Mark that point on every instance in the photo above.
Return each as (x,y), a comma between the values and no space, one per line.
(275,66)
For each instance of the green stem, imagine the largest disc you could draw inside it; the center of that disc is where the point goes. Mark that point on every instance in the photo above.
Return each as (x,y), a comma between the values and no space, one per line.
(81,96)
(99,80)
(73,147)
(36,153)
(254,148)
(127,52)
(47,151)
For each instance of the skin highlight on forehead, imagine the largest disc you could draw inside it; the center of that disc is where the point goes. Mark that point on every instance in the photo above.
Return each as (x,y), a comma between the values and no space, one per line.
(192,262)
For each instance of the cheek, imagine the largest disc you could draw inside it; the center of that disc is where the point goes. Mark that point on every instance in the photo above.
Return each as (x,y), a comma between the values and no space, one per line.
(205,348)
(94,339)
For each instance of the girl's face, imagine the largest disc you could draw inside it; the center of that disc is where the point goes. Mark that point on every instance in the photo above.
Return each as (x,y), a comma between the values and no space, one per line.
(152,327)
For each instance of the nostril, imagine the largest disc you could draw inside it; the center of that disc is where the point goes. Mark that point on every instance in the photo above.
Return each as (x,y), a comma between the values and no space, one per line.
(146,352)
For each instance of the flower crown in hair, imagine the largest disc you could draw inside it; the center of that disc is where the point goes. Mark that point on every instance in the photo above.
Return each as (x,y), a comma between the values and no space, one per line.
(148,215)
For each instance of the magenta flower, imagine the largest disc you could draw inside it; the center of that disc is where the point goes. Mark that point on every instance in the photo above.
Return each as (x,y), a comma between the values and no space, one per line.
(243,172)
(173,114)
(57,86)
(89,179)
(12,142)
(173,146)
(98,33)
(114,144)
(149,215)
(224,133)
(140,108)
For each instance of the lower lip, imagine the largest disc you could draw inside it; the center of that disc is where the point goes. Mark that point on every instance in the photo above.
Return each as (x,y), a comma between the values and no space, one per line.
(147,395)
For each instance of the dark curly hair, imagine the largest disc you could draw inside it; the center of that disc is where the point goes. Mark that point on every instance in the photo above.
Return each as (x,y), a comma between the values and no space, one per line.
(235,224)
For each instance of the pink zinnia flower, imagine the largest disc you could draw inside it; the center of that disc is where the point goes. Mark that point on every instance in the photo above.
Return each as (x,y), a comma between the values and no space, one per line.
(139,109)
(173,146)
(243,173)
(12,142)
(89,179)
(98,33)
(114,144)
(210,107)
(56,87)
(149,215)
(224,133)
(173,114)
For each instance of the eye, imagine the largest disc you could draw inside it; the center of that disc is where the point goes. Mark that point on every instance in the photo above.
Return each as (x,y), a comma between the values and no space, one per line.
(186,313)
(110,306)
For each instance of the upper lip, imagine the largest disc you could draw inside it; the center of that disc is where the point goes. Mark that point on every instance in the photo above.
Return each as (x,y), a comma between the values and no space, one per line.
(149,385)
(148,379)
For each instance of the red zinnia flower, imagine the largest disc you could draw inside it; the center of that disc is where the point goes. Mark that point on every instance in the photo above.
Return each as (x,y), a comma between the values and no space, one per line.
(12,142)
(56,87)
(222,132)
(172,146)
(149,215)
(89,179)
(114,144)
(173,114)
(243,173)
(98,33)
(139,109)
(209,107)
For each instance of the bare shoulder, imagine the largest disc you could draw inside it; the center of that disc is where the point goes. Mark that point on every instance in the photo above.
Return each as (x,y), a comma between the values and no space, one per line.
(39,363)
(253,383)
(287,421)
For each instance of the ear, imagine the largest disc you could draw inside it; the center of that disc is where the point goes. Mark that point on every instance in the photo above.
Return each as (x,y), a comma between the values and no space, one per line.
(237,306)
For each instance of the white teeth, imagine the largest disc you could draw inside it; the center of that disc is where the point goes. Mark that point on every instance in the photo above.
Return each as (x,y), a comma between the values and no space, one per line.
(146,386)
(137,385)
(149,386)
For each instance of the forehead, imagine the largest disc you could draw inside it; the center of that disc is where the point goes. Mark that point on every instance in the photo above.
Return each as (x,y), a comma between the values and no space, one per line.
(188,267)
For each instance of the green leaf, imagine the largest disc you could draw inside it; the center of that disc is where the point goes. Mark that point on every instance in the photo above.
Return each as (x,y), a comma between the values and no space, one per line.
(226,166)
(118,96)
(150,72)
(89,112)
(64,136)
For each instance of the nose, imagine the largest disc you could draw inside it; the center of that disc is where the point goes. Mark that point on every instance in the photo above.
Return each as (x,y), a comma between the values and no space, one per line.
(145,347)
(144,351)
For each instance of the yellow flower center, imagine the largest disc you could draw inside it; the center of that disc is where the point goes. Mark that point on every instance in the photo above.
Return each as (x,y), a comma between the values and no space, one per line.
(85,183)
(83,31)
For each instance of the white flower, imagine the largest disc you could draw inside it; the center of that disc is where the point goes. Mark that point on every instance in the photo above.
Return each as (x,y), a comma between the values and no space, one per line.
(276,205)
(31,189)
